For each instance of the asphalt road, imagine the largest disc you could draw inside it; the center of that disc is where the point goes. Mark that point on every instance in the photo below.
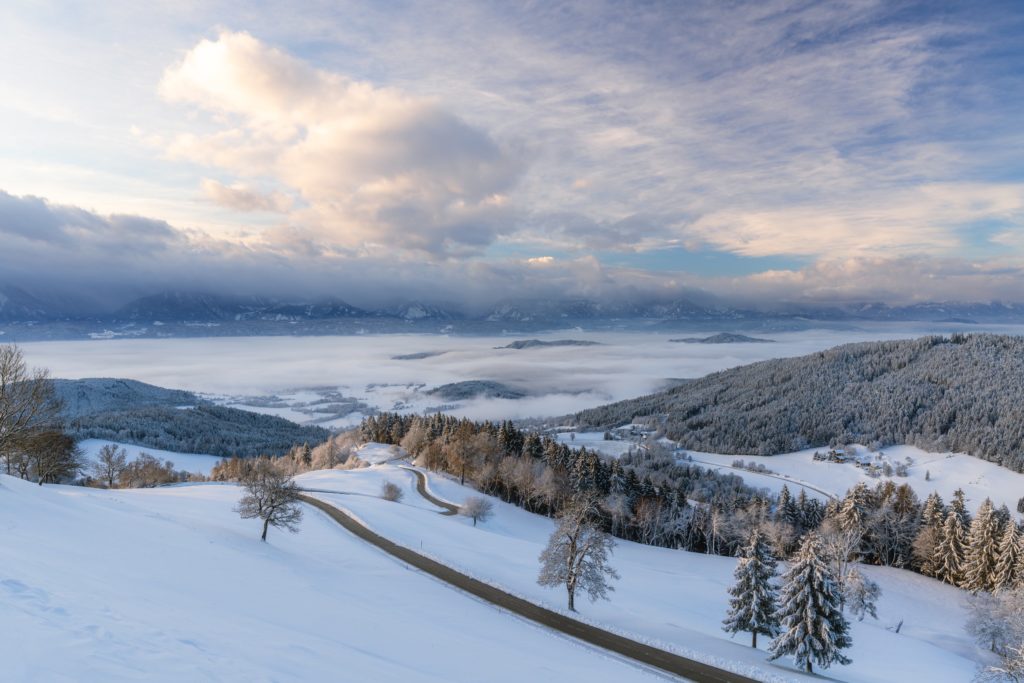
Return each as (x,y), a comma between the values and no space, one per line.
(645,654)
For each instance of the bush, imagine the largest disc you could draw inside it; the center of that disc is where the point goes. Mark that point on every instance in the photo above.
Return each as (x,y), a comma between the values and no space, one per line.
(391,491)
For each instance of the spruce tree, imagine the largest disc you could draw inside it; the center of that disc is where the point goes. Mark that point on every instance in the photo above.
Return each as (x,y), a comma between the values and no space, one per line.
(982,554)
(949,553)
(814,630)
(959,505)
(785,512)
(1008,565)
(753,604)
(933,512)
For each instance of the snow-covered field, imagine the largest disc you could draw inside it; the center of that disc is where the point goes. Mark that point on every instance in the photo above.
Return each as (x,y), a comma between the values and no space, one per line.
(945,472)
(171,585)
(558,380)
(928,472)
(672,598)
(195,463)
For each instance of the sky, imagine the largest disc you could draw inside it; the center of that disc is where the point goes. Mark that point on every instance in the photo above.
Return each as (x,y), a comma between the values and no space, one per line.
(481,151)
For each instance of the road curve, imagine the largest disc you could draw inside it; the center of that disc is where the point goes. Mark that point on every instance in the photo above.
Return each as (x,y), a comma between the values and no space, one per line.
(645,654)
(421,488)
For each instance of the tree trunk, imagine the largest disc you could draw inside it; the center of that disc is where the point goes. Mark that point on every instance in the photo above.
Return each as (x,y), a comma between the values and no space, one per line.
(572,599)
(462,476)
(266,523)
(754,643)
(809,667)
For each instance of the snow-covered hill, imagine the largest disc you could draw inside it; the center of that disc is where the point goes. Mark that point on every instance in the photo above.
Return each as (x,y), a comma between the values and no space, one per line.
(671,598)
(942,473)
(170,585)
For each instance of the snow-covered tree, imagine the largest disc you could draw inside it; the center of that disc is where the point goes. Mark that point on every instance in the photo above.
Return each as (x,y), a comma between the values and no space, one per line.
(753,605)
(959,505)
(813,628)
(1008,564)
(860,594)
(477,508)
(577,554)
(982,553)
(839,547)
(949,553)
(990,619)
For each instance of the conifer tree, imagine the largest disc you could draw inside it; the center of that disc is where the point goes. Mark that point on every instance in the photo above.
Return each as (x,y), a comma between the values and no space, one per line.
(982,553)
(753,605)
(1008,565)
(949,554)
(813,628)
(784,511)
(934,511)
(959,505)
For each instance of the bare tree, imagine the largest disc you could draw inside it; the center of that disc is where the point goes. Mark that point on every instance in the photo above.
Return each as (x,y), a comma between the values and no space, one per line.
(391,491)
(146,472)
(477,508)
(577,554)
(110,463)
(28,405)
(839,547)
(270,496)
(860,594)
(54,456)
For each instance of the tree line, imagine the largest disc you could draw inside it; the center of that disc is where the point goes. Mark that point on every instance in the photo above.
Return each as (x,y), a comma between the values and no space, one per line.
(655,497)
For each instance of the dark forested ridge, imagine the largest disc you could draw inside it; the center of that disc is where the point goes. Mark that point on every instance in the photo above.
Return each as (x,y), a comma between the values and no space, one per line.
(206,428)
(98,395)
(128,411)
(963,393)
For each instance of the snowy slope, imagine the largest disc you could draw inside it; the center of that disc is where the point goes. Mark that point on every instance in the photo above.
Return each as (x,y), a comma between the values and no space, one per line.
(673,598)
(196,463)
(945,472)
(939,472)
(170,585)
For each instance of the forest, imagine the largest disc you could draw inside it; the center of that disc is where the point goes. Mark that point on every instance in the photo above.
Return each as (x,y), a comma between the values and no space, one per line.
(658,498)
(963,393)
(206,428)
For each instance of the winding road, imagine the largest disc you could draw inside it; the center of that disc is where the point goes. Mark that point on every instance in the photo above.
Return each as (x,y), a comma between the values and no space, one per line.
(645,654)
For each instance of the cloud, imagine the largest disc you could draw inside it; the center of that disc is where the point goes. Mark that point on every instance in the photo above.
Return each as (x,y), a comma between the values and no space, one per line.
(376,168)
(242,198)
(115,258)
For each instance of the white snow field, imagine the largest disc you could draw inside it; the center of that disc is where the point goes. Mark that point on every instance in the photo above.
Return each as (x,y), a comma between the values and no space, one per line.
(670,598)
(195,463)
(945,472)
(928,472)
(171,585)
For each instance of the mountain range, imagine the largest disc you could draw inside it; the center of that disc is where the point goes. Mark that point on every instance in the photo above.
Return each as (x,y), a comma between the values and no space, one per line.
(20,306)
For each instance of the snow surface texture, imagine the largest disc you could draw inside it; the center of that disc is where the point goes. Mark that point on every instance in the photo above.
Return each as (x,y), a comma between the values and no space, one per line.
(171,585)
(670,598)
(194,463)
(557,380)
(945,472)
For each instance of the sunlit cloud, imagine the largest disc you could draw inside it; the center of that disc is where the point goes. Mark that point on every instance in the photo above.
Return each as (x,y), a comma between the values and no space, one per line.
(842,151)
(374,166)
